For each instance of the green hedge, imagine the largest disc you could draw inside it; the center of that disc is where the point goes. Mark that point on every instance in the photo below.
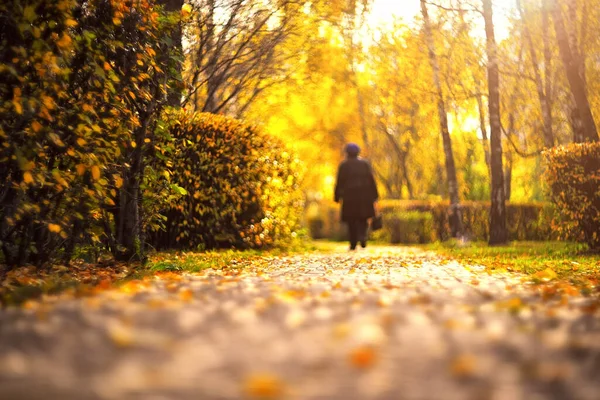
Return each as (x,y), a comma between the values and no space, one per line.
(243,188)
(423,222)
(573,174)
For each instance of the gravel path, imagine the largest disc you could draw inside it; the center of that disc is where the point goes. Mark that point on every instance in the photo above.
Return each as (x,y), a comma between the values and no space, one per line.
(382,323)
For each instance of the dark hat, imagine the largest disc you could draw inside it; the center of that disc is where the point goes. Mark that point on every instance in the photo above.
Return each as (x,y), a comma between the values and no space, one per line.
(352,149)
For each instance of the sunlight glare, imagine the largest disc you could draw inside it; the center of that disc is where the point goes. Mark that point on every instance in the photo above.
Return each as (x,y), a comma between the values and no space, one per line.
(383,13)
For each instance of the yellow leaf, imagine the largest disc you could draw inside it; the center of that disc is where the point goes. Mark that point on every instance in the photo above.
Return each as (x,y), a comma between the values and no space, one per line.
(80,169)
(546,275)
(96,172)
(18,106)
(81,142)
(118,181)
(71,23)
(263,386)
(48,102)
(27,177)
(133,144)
(54,228)
(186,9)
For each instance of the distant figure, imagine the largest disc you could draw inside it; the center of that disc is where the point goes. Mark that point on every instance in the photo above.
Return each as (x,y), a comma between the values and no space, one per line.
(357,190)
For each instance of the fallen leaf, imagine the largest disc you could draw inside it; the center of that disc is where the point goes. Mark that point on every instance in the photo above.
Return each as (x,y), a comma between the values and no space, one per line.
(362,357)
(186,295)
(463,366)
(263,386)
(546,275)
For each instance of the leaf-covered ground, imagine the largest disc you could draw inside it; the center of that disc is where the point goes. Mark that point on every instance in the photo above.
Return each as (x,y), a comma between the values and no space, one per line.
(382,323)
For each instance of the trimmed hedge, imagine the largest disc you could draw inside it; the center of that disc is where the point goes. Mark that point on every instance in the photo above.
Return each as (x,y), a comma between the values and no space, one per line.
(573,174)
(411,222)
(243,188)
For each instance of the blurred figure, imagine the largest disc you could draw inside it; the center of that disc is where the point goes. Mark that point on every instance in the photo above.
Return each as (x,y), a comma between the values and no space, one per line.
(356,189)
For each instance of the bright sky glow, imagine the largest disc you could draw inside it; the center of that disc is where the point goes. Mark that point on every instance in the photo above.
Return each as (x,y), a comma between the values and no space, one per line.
(383,13)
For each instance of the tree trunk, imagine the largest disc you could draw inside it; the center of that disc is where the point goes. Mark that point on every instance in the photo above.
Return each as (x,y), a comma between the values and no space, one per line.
(129,245)
(573,69)
(130,235)
(508,175)
(509,155)
(543,95)
(455,213)
(498,232)
(484,135)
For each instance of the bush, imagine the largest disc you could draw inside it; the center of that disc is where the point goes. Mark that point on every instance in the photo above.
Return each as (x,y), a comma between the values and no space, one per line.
(74,76)
(411,227)
(573,176)
(242,186)
(424,221)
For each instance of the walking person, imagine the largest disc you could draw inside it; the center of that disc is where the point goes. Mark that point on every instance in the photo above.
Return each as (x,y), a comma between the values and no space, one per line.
(356,189)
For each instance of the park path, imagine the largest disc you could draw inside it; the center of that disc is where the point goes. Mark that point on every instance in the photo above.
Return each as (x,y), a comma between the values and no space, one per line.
(381,323)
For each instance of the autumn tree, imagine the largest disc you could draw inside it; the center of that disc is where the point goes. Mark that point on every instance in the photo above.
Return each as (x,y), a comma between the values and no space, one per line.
(574,68)
(542,71)
(235,51)
(455,214)
(498,232)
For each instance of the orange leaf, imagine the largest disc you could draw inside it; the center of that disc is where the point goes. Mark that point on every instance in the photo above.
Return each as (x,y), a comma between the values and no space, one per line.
(263,386)
(363,357)
(54,228)
(80,169)
(96,172)
(27,177)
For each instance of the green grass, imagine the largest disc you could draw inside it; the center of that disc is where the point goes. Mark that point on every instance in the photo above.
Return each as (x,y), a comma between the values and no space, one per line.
(195,262)
(568,260)
(217,259)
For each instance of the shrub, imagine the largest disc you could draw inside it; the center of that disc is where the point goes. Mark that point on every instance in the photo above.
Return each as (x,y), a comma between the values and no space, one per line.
(242,186)
(573,176)
(531,221)
(411,227)
(79,96)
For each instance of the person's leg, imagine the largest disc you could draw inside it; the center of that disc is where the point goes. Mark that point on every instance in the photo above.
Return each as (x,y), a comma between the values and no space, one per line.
(353,233)
(362,232)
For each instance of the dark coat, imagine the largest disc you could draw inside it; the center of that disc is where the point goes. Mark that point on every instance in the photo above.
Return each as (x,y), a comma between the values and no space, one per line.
(356,188)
